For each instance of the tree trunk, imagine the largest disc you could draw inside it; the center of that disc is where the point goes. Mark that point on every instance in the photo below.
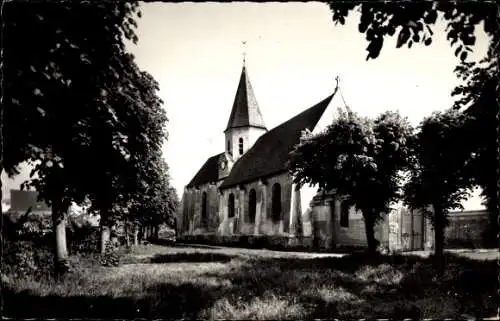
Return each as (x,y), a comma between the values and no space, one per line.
(1,193)
(157,232)
(136,235)
(1,171)
(372,242)
(1,167)
(2,228)
(60,246)
(115,241)
(176,228)
(105,234)
(127,240)
(439,226)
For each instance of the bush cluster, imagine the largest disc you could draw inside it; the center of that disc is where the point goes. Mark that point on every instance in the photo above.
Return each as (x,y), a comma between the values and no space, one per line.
(249,241)
(111,256)
(22,258)
(83,240)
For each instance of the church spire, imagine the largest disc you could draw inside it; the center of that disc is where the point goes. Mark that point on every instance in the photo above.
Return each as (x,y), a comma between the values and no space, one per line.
(245,112)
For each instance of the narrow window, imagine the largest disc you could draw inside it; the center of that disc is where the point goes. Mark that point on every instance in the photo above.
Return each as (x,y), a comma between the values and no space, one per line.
(229,146)
(252,205)
(204,218)
(240,146)
(230,205)
(344,214)
(276,202)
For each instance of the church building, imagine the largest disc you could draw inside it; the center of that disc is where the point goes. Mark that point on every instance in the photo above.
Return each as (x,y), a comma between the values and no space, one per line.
(247,189)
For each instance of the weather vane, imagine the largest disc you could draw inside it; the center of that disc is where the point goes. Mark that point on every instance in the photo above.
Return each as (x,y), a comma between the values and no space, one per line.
(244,51)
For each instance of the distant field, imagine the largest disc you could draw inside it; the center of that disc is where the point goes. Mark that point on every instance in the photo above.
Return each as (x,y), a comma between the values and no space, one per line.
(229,283)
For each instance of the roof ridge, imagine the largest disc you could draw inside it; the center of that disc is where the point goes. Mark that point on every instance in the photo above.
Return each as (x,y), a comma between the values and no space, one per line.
(300,114)
(205,174)
(270,152)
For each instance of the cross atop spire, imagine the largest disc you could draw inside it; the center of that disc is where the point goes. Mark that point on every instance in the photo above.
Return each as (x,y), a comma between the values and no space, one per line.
(244,43)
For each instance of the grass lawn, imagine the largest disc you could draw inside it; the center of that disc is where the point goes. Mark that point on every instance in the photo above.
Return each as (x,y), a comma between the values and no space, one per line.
(227,283)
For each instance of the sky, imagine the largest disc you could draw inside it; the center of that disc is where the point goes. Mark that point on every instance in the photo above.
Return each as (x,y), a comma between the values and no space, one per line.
(294,51)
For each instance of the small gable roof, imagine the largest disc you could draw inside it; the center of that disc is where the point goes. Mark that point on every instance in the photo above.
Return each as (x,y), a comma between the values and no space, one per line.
(208,173)
(270,154)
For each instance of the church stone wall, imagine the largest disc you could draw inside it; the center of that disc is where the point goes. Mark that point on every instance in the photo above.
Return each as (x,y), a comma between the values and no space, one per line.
(264,223)
(326,231)
(321,224)
(318,224)
(268,225)
(355,234)
(192,210)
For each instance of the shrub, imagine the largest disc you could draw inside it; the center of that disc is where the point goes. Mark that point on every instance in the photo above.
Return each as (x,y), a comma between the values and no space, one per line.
(85,239)
(26,258)
(111,256)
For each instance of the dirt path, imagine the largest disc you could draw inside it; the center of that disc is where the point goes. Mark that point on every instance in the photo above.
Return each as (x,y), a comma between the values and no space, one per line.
(148,251)
(473,254)
(261,252)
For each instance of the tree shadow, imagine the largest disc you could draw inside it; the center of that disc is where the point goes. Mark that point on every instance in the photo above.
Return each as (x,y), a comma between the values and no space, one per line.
(466,283)
(191,257)
(196,246)
(348,263)
(160,301)
(396,286)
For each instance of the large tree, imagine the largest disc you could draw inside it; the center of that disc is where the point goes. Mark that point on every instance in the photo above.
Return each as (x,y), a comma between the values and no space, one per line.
(54,75)
(413,23)
(361,159)
(141,120)
(480,105)
(145,130)
(157,203)
(438,177)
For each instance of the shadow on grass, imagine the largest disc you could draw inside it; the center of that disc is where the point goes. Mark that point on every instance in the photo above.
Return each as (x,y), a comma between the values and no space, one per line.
(351,287)
(378,287)
(195,246)
(191,257)
(160,301)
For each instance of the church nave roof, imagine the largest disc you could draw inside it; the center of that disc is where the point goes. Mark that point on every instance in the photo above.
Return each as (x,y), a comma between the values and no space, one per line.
(270,154)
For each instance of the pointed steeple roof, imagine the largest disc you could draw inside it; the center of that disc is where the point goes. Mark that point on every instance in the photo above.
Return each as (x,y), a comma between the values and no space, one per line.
(245,110)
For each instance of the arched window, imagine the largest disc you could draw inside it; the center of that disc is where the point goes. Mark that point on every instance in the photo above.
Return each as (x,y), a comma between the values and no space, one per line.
(252,205)
(344,214)
(276,202)
(204,218)
(240,146)
(230,205)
